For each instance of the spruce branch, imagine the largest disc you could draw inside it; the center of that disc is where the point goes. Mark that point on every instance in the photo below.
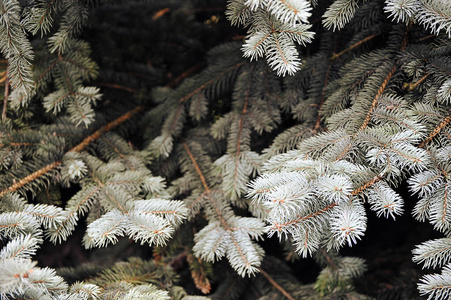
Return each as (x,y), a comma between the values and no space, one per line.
(339,14)
(380,91)
(210,82)
(275,284)
(16,47)
(436,286)
(435,15)
(199,273)
(279,227)
(347,130)
(355,45)
(185,74)
(118,87)
(367,185)
(106,128)
(197,167)
(411,86)
(5,96)
(30,178)
(77,148)
(289,11)
(436,131)
(225,235)
(433,253)
(319,116)
(275,27)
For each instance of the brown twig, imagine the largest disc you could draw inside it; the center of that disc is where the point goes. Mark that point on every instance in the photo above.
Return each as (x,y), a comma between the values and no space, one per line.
(275,284)
(118,87)
(335,56)
(411,86)
(160,13)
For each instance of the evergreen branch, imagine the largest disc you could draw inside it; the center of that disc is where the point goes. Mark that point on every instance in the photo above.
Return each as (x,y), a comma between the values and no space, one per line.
(436,286)
(46,13)
(56,232)
(282,55)
(80,65)
(337,55)
(118,87)
(319,116)
(275,284)
(114,200)
(6,95)
(14,144)
(435,15)
(339,14)
(198,273)
(330,261)
(15,46)
(411,86)
(77,148)
(436,131)
(241,122)
(185,74)
(366,185)
(197,167)
(433,253)
(210,82)
(380,91)
(279,226)
(115,149)
(48,70)
(176,118)
(228,231)
(106,128)
(41,18)
(198,199)
(30,178)
(205,185)
(437,164)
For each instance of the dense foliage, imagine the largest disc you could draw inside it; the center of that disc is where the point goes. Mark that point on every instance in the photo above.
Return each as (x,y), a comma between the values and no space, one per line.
(225,149)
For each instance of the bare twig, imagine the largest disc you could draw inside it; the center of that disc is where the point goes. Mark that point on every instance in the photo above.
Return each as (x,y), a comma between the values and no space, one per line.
(276,285)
